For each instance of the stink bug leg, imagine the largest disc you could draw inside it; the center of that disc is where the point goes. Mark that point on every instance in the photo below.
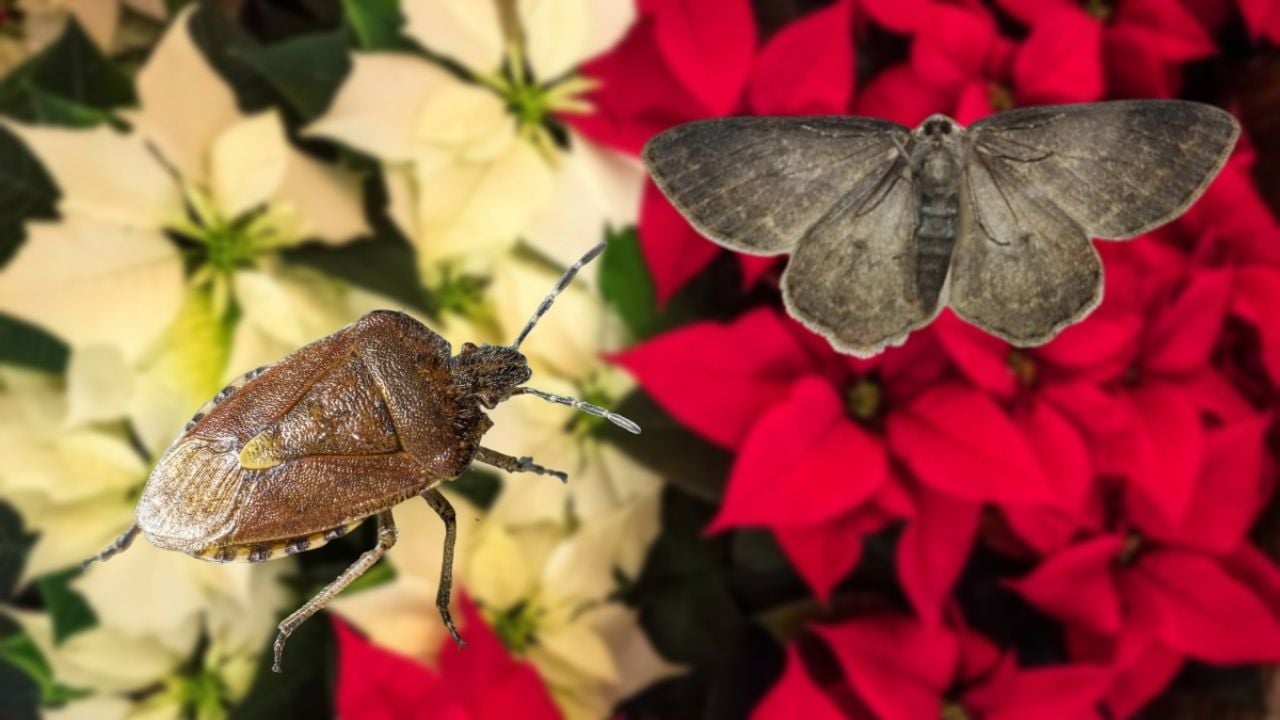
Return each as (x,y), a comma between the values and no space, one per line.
(293,455)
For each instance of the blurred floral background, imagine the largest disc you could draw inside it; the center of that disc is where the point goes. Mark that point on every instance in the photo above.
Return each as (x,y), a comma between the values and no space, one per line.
(955,529)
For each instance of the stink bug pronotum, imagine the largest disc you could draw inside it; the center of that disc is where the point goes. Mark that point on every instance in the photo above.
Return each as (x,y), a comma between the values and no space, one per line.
(295,454)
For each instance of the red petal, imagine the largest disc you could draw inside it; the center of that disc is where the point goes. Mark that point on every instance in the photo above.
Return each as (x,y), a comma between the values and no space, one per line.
(1185,332)
(1042,527)
(1077,585)
(1061,60)
(1163,29)
(1262,18)
(807,68)
(952,45)
(957,441)
(1141,679)
(982,357)
(673,250)
(802,464)
(376,684)
(1062,454)
(900,16)
(1201,610)
(933,551)
(493,685)
(897,666)
(1257,295)
(1030,12)
(1230,492)
(974,101)
(824,554)
(1166,451)
(718,379)
(1069,692)
(708,44)
(898,94)
(796,696)
(1099,347)
(1257,570)
(637,96)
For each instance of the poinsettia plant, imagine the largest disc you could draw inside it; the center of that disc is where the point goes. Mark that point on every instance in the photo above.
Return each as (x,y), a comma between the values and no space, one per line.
(955,528)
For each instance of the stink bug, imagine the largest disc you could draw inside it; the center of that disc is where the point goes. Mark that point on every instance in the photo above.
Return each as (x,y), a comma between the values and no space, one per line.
(295,454)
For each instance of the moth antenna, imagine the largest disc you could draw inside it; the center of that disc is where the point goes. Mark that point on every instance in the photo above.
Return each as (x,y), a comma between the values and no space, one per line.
(561,284)
(585,407)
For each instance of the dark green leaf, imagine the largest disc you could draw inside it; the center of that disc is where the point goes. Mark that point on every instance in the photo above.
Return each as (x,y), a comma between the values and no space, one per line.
(26,190)
(381,265)
(20,652)
(14,544)
(477,486)
(376,24)
(68,610)
(306,71)
(68,83)
(222,42)
(19,695)
(29,346)
(685,460)
(625,283)
(306,687)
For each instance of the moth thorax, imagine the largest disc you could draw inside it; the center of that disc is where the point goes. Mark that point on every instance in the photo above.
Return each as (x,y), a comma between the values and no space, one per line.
(937,168)
(490,372)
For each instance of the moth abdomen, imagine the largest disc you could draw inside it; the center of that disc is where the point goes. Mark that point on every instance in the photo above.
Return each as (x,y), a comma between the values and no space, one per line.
(935,240)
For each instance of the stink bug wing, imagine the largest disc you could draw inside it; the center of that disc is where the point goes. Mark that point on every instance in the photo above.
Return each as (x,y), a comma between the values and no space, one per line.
(194,490)
(434,420)
(322,492)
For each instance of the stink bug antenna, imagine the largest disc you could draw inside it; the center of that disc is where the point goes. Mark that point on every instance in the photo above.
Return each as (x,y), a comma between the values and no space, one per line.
(561,284)
(588,408)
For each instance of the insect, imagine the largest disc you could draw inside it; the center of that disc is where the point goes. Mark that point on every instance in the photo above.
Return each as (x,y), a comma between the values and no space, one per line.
(886,225)
(295,454)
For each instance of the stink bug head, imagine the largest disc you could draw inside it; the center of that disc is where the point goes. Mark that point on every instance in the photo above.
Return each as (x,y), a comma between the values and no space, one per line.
(490,372)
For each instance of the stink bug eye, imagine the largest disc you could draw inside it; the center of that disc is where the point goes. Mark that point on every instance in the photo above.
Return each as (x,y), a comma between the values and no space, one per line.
(295,454)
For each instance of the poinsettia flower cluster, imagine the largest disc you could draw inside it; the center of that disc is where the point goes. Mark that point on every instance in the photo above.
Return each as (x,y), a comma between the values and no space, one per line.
(1120,466)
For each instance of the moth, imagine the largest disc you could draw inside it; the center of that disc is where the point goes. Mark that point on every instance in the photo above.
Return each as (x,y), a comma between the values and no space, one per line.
(886,225)
(295,454)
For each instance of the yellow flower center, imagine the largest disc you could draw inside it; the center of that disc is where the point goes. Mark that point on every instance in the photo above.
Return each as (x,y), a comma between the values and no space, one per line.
(1133,544)
(1023,367)
(862,400)
(533,103)
(1099,9)
(231,243)
(517,626)
(1000,97)
(954,711)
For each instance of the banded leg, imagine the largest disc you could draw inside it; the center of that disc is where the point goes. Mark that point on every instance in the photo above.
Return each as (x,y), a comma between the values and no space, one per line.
(118,546)
(515,465)
(441,505)
(386,538)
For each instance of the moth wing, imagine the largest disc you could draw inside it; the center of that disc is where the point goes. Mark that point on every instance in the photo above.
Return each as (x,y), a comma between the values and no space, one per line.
(852,276)
(1021,269)
(758,184)
(1118,169)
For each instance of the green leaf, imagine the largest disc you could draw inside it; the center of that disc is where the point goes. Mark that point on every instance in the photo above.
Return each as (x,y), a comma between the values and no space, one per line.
(223,42)
(381,265)
(68,610)
(28,346)
(306,71)
(20,652)
(69,83)
(376,24)
(19,695)
(26,190)
(685,460)
(307,685)
(14,544)
(625,283)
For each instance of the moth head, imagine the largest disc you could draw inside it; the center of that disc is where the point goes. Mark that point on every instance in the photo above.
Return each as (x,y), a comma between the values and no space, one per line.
(491,373)
(937,126)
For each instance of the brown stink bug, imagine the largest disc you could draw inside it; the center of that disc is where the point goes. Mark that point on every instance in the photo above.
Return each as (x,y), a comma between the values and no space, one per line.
(295,454)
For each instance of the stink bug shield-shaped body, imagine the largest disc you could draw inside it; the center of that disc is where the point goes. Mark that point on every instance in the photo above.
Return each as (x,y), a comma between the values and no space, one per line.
(298,453)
